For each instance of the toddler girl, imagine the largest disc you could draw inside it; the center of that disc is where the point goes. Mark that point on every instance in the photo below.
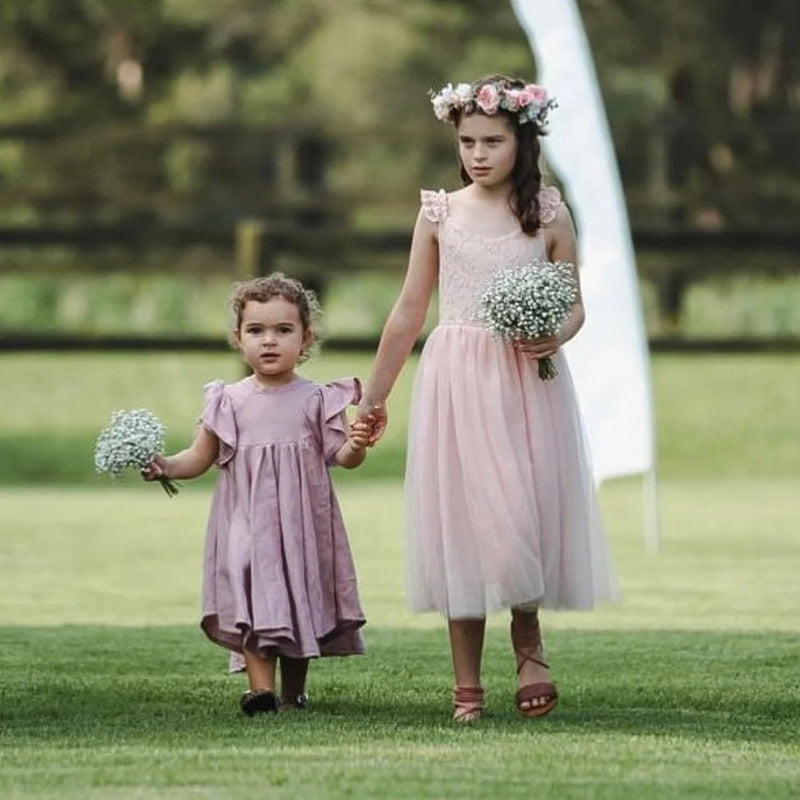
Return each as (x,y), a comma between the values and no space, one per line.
(279,579)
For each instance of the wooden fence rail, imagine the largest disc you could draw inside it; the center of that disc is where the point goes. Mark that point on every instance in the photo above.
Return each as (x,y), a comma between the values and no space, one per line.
(138,235)
(255,247)
(27,342)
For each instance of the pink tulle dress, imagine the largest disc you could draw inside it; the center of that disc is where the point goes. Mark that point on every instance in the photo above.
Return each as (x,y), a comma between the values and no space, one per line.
(278,572)
(501,507)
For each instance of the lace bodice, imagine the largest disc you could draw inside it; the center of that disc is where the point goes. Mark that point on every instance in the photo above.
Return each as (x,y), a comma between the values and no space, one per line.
(470,255)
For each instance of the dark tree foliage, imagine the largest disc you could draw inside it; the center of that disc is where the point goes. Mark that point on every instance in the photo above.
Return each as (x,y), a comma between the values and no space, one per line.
(177,110)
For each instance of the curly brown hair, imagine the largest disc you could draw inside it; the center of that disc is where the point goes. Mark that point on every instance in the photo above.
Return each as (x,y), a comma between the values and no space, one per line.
(274,285)
(526,177)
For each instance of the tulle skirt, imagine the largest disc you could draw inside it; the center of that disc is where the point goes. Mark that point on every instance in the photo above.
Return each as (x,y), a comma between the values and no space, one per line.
(501,507)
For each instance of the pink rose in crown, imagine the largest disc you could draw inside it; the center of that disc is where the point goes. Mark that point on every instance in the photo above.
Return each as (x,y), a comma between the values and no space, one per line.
(534,94)
(513,100)
(488,99)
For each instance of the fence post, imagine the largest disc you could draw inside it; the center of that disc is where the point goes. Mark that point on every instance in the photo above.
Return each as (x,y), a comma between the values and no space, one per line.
(670,289)
(254,256)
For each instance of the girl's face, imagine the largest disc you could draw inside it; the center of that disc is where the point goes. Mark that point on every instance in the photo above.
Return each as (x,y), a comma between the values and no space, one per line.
(271,337)
(488,149)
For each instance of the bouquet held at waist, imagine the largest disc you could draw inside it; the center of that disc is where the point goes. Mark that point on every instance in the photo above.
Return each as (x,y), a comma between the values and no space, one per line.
(529,302)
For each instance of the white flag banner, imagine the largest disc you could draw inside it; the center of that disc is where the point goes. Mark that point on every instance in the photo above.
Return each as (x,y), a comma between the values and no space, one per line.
(609,357)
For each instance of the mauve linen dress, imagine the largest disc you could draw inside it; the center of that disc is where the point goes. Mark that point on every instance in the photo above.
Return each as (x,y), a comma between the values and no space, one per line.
(501,508)
(278,572)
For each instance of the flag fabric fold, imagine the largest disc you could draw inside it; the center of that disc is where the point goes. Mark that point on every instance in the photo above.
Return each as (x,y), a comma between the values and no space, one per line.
(609,358)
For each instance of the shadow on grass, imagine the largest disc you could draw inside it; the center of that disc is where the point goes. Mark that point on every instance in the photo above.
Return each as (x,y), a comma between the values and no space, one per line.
(95,685)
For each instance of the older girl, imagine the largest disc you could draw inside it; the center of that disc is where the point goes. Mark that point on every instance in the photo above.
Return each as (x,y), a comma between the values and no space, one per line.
(501,507)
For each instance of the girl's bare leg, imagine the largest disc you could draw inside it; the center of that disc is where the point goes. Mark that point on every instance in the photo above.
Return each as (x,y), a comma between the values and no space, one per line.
(466,646)
(261,674)
(260,671)
(527,641)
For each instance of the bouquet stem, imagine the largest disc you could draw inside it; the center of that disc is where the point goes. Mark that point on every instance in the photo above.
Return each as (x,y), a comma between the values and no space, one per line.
(170,487)
(547,369)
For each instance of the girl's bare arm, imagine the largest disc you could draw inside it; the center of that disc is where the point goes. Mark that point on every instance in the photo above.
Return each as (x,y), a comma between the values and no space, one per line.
(563,247)
(352,453)
(188,463)
(407,316)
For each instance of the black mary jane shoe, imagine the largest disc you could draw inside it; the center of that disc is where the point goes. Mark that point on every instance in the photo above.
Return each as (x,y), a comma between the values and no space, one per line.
(258,701)
(294,703)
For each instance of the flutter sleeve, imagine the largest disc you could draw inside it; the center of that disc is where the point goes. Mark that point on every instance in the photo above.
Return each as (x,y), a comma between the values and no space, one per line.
(550,203)
(218,417)
(336,396)
(434,204)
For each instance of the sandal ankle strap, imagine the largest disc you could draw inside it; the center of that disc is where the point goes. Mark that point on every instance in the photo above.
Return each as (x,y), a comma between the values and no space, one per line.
(468,703)
(467,694)
(527,645)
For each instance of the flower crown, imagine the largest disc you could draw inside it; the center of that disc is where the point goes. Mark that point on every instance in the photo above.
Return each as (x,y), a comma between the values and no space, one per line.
(530,103)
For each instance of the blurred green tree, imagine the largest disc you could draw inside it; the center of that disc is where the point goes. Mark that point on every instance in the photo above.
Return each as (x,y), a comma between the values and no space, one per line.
(88,86)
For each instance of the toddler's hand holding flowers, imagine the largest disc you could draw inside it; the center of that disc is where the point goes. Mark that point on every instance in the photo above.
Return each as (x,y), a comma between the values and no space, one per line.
(133,439)
(156,469)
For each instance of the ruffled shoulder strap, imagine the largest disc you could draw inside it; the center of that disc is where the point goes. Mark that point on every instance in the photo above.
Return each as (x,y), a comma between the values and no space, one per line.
(336,397)
(434,204)
(218,417)
(549,203)
(339,394)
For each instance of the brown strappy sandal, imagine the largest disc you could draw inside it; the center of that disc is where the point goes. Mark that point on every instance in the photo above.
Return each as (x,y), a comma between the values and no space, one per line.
(545,692)
(467,703)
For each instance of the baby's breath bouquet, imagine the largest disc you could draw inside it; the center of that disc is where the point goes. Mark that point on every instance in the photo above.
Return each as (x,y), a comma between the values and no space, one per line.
(530,301)
(131,440)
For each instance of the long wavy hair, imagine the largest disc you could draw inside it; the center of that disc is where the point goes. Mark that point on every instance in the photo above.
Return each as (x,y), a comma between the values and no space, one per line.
(526,177)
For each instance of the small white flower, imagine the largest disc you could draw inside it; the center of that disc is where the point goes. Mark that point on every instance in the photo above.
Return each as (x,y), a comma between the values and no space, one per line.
(464,93)
(443,102)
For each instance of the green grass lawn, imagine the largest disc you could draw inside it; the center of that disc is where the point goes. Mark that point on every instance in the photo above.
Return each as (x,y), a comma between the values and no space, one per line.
(688,688)
(716,416)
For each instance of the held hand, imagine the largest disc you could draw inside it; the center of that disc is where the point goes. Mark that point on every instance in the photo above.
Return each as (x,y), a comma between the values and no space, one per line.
(375,414)
(539,348)
(156,469)
(360,432)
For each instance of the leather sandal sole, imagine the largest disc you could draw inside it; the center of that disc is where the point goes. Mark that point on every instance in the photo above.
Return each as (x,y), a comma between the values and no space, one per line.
(537,691)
